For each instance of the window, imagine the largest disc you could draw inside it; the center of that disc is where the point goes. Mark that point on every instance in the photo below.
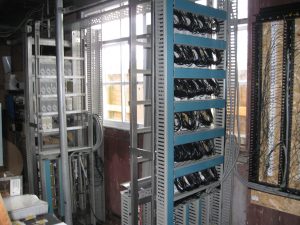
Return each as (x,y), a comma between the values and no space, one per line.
(115,64)
(242,60)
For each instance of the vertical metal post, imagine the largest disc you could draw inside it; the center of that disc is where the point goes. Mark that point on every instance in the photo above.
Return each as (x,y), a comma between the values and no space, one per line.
(29,114)
(62,111)
(133,115)
(153,93)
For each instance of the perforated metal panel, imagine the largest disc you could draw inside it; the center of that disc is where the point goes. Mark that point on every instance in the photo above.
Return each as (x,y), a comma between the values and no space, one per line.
(230,153)
(144,211)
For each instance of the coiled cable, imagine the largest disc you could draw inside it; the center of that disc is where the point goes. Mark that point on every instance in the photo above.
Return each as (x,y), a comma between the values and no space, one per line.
(195,24)
(200,57)
(194,151)
(195,180)
(191,88)
(193,120)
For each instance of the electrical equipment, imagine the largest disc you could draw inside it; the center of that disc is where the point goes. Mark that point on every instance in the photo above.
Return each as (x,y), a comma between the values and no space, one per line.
(43,130)
(191,80)
(274,145)
(11,186)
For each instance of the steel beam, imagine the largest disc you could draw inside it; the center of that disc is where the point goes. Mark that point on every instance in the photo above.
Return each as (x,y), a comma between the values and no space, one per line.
(62,111)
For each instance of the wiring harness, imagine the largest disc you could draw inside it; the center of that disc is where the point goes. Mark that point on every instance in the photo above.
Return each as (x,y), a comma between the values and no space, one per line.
(200,57)
(195,24)
(192,120)
(191,88)
(194,151)
(195,180)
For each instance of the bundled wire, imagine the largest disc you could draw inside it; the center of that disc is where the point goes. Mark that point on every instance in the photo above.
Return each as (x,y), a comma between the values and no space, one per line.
(195,24)
(195,180)
(192,120)
(193,151)
(191,88)
(201,57)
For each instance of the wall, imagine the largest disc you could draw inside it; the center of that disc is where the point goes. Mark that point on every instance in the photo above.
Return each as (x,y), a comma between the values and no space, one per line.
(257,215)
(117,167)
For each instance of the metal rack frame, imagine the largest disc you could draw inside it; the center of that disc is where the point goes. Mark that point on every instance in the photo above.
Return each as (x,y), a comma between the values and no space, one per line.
(88,81)
(207,206)
(141,196)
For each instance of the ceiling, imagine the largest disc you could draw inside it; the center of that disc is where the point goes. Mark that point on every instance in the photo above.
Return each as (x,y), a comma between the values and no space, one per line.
(13,12)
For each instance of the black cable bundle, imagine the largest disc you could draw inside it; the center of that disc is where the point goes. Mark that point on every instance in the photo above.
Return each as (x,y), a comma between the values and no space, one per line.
(201,57)
(195,180)
(195,24)
(193,151)
(191,88)
(192,120)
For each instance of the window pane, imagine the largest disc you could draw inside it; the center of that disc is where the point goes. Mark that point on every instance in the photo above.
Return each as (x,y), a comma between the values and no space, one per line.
(111,30)
(148,19)
(111,62)
(125,61)
(140,114)
(242,49)
(140,57)
(242,9)
(140,20)
(113,102)
(242,55)
(202,2)
(125,27)
(140,92)
(126,107)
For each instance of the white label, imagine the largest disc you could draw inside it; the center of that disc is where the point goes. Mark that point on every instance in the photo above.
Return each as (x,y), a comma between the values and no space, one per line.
(254,198)
(15,187)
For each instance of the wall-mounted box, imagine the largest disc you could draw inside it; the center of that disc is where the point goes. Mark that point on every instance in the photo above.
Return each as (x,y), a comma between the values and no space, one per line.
(11,186)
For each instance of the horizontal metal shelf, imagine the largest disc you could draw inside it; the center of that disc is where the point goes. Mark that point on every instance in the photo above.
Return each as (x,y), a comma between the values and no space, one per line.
(56,151)
(189,6)
(178,196)
(55,77)
(74,77)
(185,106)
(51,57)
(185,137)
(184,39)
(67,112)
(198,166)
(75,95)
(56,130)
(197,73)
(51,42)
(66,95)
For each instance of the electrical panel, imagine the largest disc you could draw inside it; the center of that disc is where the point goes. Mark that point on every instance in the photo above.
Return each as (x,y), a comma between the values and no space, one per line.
(274,145)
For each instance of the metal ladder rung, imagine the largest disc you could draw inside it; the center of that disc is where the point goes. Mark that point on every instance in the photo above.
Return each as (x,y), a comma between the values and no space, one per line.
(143,182)
(145,72)
(144,153)
(145,102)
(141,159)
(145,199)
(144,130)
(144,44)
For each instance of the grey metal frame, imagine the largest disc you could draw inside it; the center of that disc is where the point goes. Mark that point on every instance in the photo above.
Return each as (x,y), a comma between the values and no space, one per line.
(33,122)
(230,153)
(62,111)
(146,155)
